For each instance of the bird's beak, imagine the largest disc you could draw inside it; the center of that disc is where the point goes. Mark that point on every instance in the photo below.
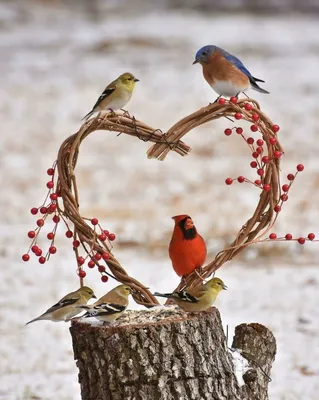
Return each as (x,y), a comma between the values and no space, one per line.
(93,296)
(195,62)
(136,80)
(225,287)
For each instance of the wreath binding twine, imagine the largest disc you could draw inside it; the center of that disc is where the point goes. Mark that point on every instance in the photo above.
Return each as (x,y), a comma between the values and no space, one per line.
(252,231)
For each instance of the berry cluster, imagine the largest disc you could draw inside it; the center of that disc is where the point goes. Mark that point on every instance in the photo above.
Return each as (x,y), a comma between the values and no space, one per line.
(264,151)
(99,249)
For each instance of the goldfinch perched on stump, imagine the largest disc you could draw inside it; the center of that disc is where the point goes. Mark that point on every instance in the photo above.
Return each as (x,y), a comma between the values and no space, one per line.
(110,306)
(116,95)
(64,309)
(197,299)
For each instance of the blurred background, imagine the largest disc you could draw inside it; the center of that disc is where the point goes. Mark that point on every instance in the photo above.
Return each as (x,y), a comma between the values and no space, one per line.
(56,57)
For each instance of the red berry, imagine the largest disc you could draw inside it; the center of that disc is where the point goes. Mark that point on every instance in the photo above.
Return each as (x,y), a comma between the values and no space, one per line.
(102,237)
(97,256)
(91,264)
(40,222)
(250,140)
(267,187)
(228,181)
(301,240)
(311,236)
(52,208)
(275,128)
(238,115)
(106,233)
(228,132)
(255,117)
(105,256)
(260,142)
(69,234)
(56,219)
(248,107)
(285,187)
(253,164)
(43,210)
(259,149)
(233,100)
(50,184)
(288,236)
(277,208)
(272,236)
(284,197)
(94,221)
(272,140)
(52,250)
(254,128)
(101,268)
(34,211)
(239,131)
(38,253)
(76,243)
(81,260)
(53,196)
(300,167)
(81,273)
(255,154)
(277,154)
(25,257)
(241,179)
(112,235)
(260,172)
(265,159)
(31,234)
(50,171)
(257,182)
(221,101)
(105,278)
(50,235)
(290,177)
(42,260)
(34,248)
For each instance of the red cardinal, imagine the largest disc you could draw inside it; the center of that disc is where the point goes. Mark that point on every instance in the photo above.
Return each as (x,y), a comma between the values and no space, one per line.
(187,248)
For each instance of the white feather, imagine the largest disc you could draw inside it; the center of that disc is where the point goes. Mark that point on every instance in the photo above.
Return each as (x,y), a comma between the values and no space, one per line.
(227,88)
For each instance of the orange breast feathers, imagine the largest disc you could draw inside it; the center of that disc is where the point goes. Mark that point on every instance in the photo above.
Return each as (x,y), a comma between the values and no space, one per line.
(222,70)
(187,248)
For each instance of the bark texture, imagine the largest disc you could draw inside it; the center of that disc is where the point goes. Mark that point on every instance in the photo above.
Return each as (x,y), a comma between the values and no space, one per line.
(166,354)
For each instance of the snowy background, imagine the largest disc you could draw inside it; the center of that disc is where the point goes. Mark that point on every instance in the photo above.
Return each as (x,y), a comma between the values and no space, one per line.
(54,62)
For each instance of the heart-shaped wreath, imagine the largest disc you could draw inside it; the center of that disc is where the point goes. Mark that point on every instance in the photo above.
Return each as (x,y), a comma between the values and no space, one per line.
(63,192)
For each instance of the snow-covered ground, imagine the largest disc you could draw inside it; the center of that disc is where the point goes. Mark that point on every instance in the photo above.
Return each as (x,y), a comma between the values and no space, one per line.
(53,65)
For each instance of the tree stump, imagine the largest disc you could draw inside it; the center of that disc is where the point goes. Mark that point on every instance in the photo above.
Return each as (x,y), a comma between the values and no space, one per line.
(166,354)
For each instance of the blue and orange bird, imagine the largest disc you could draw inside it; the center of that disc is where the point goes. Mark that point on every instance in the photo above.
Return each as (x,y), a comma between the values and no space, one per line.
(225,73)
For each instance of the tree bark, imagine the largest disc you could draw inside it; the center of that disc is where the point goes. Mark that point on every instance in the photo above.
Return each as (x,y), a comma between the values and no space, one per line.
(166,354)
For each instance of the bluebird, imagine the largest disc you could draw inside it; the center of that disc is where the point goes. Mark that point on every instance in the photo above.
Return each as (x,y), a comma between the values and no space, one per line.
(225,73)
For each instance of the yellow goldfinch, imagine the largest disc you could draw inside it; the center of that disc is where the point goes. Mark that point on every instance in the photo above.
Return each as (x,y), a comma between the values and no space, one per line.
(110,306)
(116,95)
(197,299)
(64,309)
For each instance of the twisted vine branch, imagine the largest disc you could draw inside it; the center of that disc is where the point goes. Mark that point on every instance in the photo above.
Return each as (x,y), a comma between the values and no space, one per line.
(252,230)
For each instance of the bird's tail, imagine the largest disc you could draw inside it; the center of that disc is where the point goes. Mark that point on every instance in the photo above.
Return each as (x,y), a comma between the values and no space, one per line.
(166,295)
(258,80)
(255,86)
(88,115)
(37,319)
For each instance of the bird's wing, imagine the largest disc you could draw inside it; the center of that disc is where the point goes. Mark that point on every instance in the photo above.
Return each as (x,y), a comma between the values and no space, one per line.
(104,309)
(66,301)
(106,93)
(186,296)
(237,63)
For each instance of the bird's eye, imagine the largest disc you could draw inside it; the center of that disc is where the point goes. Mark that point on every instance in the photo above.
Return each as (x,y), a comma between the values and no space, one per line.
(129,79)
(204,53)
